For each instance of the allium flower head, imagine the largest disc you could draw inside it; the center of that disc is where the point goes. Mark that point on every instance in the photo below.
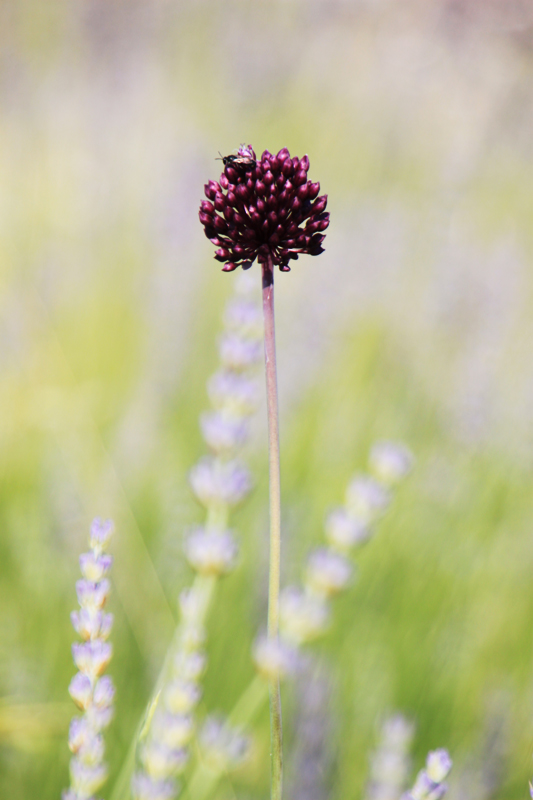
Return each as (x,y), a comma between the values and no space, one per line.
(264,208)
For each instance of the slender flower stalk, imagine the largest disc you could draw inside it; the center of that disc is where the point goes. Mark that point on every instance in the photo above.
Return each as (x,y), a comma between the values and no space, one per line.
(267,209)
(275,522)
(92,691)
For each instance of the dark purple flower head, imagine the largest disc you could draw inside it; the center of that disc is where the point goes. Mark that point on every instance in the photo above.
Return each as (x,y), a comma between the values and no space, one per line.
(264,208)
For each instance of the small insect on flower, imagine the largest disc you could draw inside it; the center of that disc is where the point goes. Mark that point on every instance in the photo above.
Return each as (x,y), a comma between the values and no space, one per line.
(243,160)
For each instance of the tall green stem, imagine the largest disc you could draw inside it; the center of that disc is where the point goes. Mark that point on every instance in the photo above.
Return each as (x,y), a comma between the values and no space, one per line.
(275,522)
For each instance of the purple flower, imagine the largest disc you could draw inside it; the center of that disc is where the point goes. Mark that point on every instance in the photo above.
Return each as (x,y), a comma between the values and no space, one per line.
(264,208)
(222,433)
(211,552)
(216,482)
(233,392)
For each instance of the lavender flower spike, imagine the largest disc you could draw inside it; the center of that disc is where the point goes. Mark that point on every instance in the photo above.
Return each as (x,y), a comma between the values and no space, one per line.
(92,692)
(264,209)
(429,784)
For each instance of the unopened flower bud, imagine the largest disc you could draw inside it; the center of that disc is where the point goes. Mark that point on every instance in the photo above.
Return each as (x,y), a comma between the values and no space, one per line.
(86,779)
(215,482)
(224,747)
(161,761)
(302,616)
(144,787)
(344,531)
(438,765)
(101,532)
(92,657)
(94,568)
(390,461)
(182,696)
(238,353)
(81,690)
(366,498)
(223,434)
(211,552)
(274,658)
(233,393)
(327,572)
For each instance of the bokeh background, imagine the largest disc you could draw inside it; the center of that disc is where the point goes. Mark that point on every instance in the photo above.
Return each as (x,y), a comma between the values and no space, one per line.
(415,324)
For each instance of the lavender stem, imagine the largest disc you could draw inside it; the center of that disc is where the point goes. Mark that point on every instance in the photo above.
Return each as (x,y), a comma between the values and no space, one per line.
(275,521)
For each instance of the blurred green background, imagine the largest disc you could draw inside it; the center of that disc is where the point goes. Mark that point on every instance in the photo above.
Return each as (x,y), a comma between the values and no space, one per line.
(415,324)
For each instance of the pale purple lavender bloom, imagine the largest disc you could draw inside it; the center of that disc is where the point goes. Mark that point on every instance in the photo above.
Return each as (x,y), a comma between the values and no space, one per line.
(429,784)
(390,764)
(366,498)
(223,746)
(303,616)
(233,392)
(237,353)
(182,696)
(211,552)
(222,433)
(244,317)
(160,760)
(274,658)
(344,531)
(390,461)
(327,573)
(146,788)
(91,693)
(216,482)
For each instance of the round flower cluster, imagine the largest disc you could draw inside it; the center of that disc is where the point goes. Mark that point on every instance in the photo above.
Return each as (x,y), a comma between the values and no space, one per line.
(91,691)
(264,209)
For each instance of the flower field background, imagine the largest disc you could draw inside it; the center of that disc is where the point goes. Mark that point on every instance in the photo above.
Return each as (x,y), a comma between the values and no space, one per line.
(415,325)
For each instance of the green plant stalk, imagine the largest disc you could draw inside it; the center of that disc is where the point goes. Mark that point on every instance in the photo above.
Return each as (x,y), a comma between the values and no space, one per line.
(275,522)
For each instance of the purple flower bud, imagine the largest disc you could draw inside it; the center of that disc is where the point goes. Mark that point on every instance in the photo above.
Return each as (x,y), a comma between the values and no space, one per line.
(104,692)
(93,567)
(91,624)
(224,747)
(215,482)
(174,730)
(92,595)
(144,787)
(237,353)
(274,658)
(81,690)
(258,197)
(344,531)
(223,434)
(233,393)
(302,616)
(92,658)
(101,533)
(161,761)
(327,572)
(390,461)
(438,765)
(189,666)
(182,696)
(86,779)
(366,498)
(211,552)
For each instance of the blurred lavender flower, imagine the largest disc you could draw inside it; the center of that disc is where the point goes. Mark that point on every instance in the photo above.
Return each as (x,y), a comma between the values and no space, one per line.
(390,461)
(219,482)
(366,498)
(429,784)
(303,616)
(211,552)
(344,531)
(224,747)
(91,692)
(216,482)
(274,658)
(390,764)
(264,208)
(327,572)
